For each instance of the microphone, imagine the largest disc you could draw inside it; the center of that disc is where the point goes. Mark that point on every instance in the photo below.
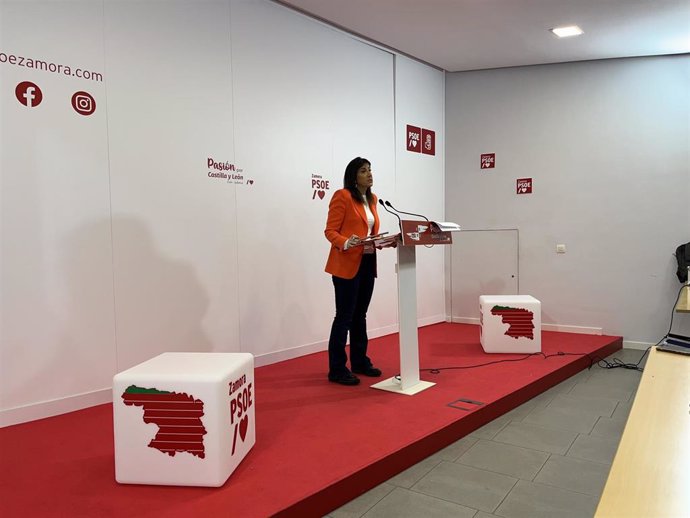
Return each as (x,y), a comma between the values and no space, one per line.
(403,212)
(394,214)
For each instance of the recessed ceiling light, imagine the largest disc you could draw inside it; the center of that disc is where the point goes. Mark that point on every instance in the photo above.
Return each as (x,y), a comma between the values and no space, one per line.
(565,32)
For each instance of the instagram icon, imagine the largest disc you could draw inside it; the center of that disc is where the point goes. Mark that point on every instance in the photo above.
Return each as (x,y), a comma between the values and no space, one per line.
(83,103)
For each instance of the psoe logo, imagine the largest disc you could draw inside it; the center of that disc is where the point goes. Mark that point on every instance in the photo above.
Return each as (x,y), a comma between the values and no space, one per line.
(524,186)
(240,393)
(83,103)
(29,94)
(414,134)
(319,185)
(488,160)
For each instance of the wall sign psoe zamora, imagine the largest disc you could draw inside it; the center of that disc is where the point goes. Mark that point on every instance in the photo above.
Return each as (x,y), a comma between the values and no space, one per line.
(487,161)
(523,186)
(420,140)
(319,185)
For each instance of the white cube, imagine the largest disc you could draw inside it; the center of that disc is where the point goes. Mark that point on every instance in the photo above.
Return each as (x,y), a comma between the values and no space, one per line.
(510,323)
(184,419)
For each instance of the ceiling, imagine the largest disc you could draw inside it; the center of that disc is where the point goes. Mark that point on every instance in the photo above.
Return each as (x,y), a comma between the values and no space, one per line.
(459,35)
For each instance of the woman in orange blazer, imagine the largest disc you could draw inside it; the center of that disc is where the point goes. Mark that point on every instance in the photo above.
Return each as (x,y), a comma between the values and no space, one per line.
(352,216)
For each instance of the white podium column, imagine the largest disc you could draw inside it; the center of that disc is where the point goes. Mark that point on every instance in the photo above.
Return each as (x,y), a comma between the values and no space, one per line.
(408,381)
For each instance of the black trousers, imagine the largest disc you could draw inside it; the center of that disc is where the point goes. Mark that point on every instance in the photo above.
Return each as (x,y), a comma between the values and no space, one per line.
(352,297)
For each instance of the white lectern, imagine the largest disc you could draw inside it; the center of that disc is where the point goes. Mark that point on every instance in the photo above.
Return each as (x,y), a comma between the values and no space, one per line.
(414,233)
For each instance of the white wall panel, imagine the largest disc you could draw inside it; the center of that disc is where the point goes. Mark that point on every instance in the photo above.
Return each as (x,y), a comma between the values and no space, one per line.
(419,101)
(174,228)
(606,144)
(481,262)
(57,329)
(362,85)
(307,100)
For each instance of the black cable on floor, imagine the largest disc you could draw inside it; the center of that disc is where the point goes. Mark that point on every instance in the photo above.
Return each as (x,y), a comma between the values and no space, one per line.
(636,366)
(526,357)
(600,362)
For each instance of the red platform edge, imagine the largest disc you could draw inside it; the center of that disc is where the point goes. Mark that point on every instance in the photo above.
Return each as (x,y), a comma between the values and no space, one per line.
(358,482)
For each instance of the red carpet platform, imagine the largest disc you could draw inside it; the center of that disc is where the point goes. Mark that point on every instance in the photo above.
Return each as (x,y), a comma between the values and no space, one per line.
(318,444)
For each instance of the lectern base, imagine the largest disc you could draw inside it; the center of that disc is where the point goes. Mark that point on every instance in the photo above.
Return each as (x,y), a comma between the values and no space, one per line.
(393,385)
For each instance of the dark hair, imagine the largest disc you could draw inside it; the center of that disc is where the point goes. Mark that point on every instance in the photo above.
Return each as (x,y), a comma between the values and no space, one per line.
(350,180)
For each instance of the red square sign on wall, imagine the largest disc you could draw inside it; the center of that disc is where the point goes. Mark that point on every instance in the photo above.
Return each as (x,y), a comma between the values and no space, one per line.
(488,160)
(428,142)
(414,135)
(524,186)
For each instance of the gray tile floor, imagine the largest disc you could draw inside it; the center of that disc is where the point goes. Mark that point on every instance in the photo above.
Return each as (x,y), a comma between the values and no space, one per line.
(549,457)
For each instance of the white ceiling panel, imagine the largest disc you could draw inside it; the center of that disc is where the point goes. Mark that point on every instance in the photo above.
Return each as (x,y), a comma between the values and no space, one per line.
(457,35)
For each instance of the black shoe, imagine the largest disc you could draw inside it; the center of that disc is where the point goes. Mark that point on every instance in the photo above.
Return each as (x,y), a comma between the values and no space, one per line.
(345,378)
(370,371)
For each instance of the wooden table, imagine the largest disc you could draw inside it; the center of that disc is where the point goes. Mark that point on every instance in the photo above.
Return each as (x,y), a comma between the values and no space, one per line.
(650,475)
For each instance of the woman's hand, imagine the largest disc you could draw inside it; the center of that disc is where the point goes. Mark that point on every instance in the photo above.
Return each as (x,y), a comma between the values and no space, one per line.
(354,240)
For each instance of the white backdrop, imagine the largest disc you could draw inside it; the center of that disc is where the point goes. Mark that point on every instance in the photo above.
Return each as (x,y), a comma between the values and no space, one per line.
(419,177)
(57,331)
(117,244)
(174,234)
(334,102)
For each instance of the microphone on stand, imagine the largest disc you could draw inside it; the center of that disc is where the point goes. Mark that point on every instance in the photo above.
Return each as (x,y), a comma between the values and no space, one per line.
(403,212)
(394,214)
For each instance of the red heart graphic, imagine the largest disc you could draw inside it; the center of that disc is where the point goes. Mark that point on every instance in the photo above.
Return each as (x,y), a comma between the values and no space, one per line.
(251,182)
(321,194)
(244,423)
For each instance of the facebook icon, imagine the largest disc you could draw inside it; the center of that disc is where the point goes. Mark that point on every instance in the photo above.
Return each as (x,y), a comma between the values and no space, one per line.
(29,94)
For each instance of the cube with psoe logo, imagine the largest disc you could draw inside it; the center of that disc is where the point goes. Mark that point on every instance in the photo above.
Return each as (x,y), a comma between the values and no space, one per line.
(184,419)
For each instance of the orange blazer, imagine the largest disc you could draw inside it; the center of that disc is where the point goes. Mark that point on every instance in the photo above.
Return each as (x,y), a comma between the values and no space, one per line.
(346,216)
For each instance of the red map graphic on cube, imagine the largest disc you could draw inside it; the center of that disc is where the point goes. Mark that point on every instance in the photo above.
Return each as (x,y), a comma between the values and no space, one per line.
(520,321)
(177,415)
